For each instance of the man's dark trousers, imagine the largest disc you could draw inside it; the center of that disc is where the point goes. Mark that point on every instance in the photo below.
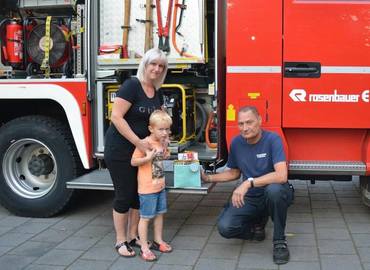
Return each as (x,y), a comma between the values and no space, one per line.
(238,222)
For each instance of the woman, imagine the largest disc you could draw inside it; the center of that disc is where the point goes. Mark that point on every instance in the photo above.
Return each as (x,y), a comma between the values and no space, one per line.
(136,99)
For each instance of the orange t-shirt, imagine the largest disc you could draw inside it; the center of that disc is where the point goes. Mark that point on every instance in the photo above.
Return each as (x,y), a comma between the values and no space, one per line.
(150,176)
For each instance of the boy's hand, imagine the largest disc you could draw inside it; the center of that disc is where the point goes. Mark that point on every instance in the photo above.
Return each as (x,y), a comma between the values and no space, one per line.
(165,142)
(166,154)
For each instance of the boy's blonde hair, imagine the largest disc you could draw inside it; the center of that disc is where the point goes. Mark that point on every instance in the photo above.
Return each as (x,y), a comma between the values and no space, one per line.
(150,56)
(159,116)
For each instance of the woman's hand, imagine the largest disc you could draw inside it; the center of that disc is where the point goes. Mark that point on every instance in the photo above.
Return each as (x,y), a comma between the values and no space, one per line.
(150,154)
(143,146)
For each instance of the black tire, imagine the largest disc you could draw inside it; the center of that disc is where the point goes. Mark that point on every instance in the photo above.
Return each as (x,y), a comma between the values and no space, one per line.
(32,69)
(201,122)
(365,189)
(67,69)
(37,157)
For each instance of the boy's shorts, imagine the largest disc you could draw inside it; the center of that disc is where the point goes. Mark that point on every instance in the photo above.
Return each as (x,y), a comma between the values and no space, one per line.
(153,204)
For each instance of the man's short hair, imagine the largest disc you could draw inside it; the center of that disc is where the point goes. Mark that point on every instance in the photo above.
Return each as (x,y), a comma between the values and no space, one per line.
(252,109)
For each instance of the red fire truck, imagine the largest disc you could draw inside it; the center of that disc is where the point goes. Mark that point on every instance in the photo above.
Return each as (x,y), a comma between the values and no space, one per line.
(305,64)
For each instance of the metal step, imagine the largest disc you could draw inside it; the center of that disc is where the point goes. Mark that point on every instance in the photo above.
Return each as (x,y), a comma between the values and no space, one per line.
(101,180)
(204,153)
(327,167)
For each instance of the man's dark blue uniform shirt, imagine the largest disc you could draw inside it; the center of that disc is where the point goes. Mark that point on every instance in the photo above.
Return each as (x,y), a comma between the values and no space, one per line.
(254,160)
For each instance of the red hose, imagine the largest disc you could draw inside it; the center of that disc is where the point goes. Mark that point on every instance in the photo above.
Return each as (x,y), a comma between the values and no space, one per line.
(209,121)
(173,33)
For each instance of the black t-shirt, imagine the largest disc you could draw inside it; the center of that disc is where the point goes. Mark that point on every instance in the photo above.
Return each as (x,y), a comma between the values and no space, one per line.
(137,116)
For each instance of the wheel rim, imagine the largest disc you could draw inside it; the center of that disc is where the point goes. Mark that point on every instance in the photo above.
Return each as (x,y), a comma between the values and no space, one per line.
(29,168)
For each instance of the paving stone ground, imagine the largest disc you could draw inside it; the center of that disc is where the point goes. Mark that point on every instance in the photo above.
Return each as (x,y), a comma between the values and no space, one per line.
(328,228)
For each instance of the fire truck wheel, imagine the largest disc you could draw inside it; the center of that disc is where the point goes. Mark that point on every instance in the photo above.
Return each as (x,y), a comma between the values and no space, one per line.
(365,189)
(37,157)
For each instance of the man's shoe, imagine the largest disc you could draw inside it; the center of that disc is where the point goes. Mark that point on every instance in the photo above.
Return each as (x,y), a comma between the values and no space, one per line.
(249,235)
(281,252)
(259,229)
(259,232)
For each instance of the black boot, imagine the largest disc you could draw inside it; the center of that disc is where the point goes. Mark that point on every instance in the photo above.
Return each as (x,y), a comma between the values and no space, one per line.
(259,229)
(281,252)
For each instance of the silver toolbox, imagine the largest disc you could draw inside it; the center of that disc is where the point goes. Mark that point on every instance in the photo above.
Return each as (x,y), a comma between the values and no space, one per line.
(46,3)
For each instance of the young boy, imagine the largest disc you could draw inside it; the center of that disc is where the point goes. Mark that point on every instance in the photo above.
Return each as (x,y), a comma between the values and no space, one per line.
(151,183)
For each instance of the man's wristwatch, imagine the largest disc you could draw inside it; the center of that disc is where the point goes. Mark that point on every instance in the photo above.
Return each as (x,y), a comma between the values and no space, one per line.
(250,180)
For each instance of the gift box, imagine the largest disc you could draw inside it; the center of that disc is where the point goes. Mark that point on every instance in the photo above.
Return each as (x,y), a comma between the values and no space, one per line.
(189,155)
(186,174)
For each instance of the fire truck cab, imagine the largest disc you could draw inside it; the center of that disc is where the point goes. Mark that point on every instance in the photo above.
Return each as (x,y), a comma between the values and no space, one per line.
(305,64)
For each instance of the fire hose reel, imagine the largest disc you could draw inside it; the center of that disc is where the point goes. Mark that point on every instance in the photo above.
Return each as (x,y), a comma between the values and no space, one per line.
(58,45)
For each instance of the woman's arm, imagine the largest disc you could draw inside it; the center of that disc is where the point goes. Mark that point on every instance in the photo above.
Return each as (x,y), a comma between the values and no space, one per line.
(138,161)
(119,110)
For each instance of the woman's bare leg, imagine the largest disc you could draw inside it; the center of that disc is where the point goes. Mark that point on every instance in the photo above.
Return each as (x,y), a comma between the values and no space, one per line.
(134,218)
(120,226)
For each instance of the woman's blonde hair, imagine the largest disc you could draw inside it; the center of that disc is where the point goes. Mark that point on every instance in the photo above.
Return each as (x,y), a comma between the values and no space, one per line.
(150,56)
(159,116)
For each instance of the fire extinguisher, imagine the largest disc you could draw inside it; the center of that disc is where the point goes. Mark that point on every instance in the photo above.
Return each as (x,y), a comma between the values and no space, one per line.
(14,43)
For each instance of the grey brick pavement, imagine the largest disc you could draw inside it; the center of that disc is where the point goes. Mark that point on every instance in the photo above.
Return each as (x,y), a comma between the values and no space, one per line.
(328,228)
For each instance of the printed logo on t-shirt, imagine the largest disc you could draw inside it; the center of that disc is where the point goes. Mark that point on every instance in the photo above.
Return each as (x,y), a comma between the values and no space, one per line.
(147,110)
(157,167)
(262,155)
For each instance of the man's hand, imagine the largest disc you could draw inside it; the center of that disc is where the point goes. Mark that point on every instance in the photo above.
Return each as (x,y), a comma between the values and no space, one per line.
(203,176)
(238,195)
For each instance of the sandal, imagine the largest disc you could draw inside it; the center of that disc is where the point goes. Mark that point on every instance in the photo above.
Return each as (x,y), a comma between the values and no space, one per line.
(128,248)
(134,243)
(163,247)
(148,256)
